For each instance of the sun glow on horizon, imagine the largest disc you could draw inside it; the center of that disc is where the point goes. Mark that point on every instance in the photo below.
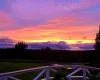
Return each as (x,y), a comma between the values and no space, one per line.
(67,41)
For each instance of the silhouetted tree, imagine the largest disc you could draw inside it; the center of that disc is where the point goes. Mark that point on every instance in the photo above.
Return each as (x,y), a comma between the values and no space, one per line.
(97,41)
(46,49)
(21,46)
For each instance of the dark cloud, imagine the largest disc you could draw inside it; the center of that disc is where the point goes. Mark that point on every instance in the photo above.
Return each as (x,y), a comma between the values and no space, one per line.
(6,42)
(9,43)
(86,46)
(52,45)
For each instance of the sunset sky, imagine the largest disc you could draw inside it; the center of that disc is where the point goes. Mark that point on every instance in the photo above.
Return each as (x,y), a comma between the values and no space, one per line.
(72,21)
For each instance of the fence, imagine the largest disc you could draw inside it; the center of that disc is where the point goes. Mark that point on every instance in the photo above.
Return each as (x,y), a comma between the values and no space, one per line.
(46,69)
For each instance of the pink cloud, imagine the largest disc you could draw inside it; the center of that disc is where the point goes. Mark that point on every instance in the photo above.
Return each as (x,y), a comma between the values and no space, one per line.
(74,24)
(29,10)
(52,31)
(6,20)
(37,12)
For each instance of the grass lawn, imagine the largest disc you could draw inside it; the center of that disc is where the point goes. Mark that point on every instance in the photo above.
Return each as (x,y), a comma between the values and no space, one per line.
(13,66)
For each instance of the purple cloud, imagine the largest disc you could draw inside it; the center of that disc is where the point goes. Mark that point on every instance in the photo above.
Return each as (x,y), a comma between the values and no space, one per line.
(53,45)
(9,43)
(30,12)
(19,14)
(86,46)
(6,42)
(37,12)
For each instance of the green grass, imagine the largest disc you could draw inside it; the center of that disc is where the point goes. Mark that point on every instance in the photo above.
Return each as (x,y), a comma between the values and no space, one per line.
(13,66)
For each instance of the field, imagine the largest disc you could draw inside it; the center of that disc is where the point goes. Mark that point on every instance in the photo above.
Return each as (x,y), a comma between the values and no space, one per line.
(13,66)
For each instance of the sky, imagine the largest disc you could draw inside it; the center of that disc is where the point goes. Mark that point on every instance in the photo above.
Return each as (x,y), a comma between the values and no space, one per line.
(38,21)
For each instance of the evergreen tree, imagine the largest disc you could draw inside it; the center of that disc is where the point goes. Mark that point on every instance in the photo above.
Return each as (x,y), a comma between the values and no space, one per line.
(97,41)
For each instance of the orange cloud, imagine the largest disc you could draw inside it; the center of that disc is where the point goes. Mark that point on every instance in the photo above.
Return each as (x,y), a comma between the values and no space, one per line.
(55,30)
(72,26)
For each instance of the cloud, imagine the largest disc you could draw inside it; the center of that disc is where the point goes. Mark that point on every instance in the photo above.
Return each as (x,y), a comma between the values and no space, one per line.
(40,20)
(87,46)
(9,43)
(37,12)
(75,4)
(6,21)
(32,12)
(61,45)
(52,45)
(56,30)
(6,42)
(24,13)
